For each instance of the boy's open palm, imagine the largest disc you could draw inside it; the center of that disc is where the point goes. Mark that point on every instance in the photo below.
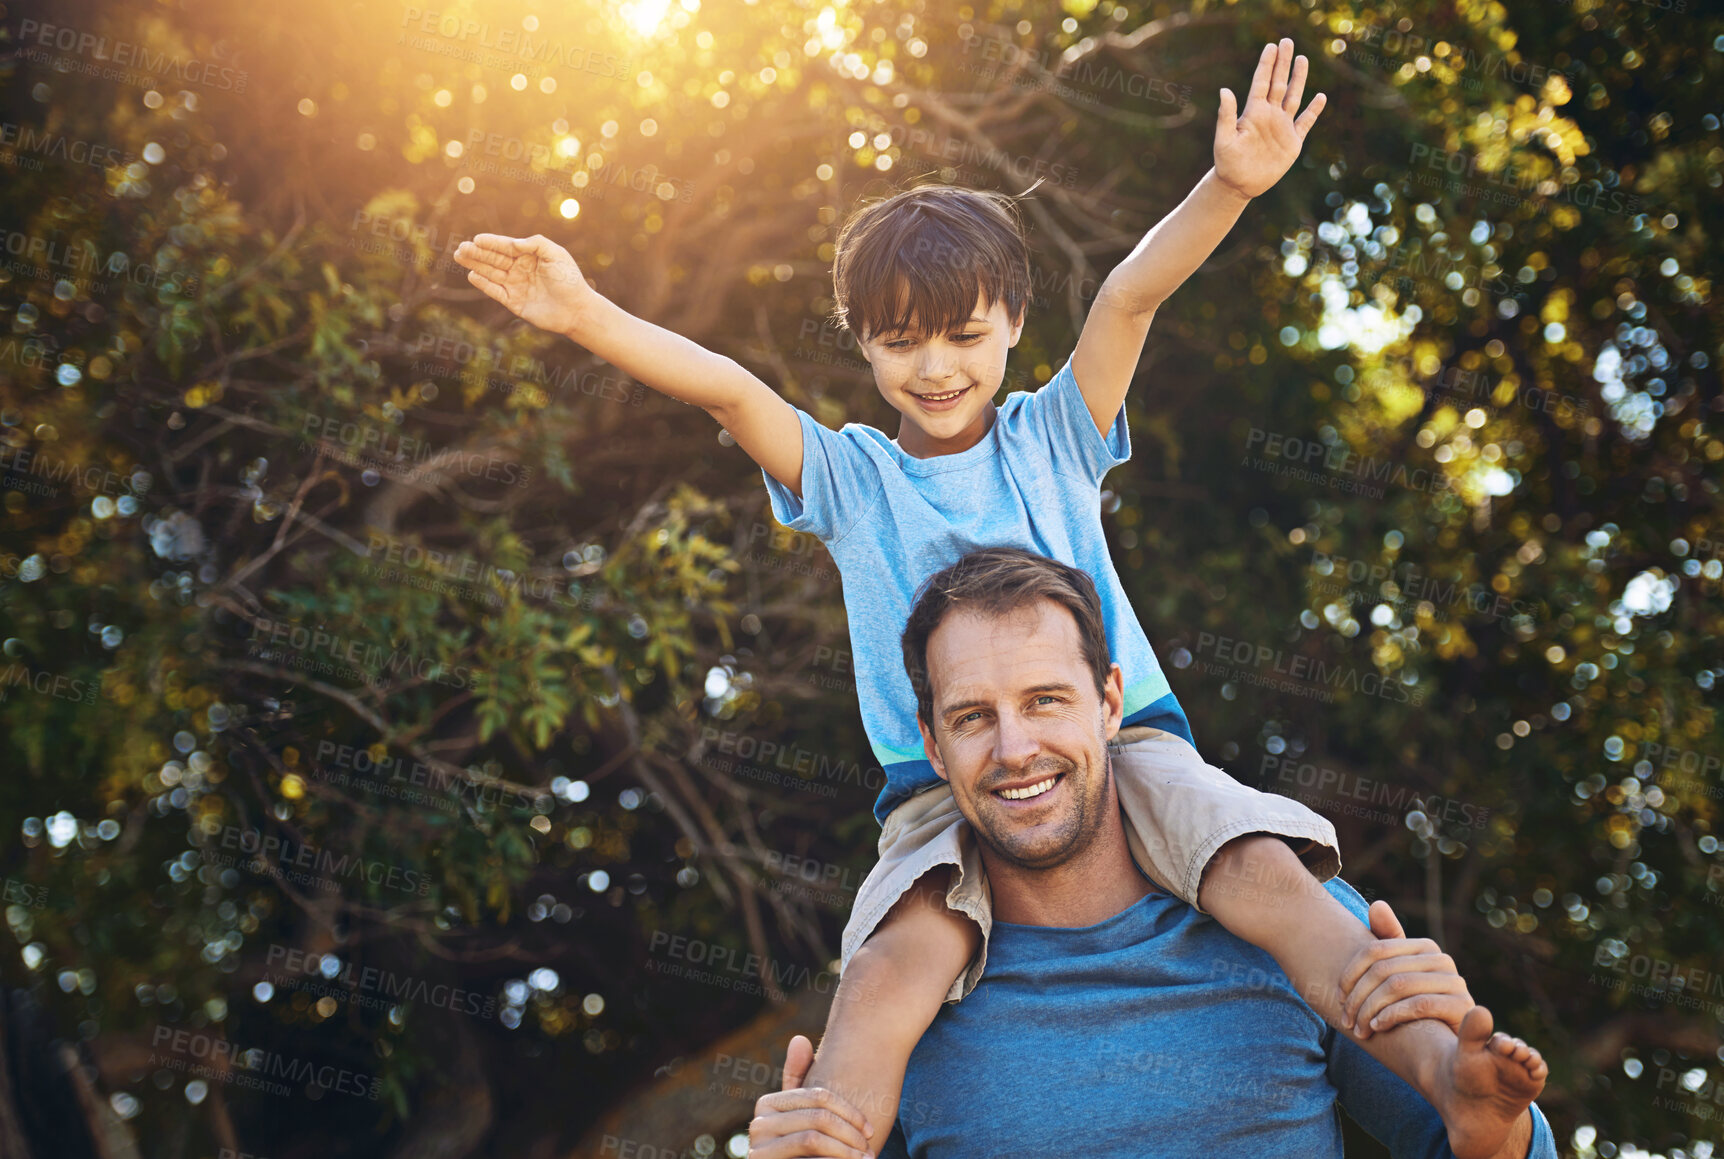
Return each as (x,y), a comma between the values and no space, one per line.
(1253,150)
(533,276)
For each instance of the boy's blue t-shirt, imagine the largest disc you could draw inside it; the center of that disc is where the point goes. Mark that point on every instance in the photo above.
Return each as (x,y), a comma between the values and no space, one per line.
(891,520)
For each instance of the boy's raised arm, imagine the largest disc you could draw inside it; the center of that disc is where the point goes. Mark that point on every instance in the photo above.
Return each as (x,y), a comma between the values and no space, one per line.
(537,279)
(1252,151)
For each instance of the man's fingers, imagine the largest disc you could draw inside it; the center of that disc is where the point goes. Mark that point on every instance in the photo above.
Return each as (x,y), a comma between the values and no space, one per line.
(1449,1008)
(1402,959)
(797,1059)
(798,1145)
(1384,923)
(1378,961)
(803,1127)
(1378,951)
(814,1099)
(1403,986)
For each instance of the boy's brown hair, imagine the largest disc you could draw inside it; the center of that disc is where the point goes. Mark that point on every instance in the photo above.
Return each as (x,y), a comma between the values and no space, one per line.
(944,244)
(997,580)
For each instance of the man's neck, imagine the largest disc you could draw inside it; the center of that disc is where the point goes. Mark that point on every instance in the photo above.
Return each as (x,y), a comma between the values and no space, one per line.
(1092,887)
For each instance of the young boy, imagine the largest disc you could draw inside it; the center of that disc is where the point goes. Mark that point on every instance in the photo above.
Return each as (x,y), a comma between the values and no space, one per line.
(934,283)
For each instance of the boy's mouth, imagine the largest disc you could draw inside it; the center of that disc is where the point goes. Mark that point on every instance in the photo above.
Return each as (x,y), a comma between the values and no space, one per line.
(943,401)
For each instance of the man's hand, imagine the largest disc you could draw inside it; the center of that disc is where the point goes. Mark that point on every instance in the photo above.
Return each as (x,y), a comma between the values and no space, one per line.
(801,1122)
(1400,979)
(533,276)
(1253,151)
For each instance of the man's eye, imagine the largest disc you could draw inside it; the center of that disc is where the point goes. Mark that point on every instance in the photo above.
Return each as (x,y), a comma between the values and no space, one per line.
(966,717)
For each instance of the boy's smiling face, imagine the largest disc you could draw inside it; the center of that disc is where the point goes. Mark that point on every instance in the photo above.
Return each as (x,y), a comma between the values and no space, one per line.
(944,384)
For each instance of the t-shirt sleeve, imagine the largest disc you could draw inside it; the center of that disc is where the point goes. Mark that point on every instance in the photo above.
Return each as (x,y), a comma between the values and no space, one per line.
(1389,1110)
(895,1146)
(839,482)
(1058,419)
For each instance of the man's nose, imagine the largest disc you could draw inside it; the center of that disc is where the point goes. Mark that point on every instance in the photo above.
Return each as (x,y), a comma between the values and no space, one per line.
(1014,742)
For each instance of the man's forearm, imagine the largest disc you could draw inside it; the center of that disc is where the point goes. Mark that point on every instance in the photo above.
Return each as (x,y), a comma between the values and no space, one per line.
(1179,243)
(659,358)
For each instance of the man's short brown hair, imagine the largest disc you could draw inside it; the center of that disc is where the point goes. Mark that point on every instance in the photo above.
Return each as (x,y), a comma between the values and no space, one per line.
(998,580)
(945,245)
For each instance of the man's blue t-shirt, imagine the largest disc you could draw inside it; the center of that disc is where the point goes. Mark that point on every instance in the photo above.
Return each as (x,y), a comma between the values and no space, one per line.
(1153,1033)
(891,520)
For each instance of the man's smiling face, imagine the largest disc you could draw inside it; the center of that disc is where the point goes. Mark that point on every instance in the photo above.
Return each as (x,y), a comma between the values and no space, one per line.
(1020,732)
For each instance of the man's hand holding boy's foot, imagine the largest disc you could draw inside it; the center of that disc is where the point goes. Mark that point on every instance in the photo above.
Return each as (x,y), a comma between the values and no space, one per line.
(798,1122)
(1483,1082)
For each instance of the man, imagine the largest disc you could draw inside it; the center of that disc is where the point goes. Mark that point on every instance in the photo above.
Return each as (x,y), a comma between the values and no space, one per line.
(1112,1019)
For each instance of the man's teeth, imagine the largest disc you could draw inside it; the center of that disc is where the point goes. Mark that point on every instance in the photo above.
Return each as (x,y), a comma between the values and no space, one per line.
(1027,791)
(951,394)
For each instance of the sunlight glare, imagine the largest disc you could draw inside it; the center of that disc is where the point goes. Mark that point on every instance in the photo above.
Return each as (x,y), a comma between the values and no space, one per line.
(644,16)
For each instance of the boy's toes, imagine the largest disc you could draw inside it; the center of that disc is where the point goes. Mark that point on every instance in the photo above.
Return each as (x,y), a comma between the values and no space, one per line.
(1475,1029)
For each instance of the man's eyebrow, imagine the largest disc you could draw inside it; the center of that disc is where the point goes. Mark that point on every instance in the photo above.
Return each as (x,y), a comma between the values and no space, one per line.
(1033,690)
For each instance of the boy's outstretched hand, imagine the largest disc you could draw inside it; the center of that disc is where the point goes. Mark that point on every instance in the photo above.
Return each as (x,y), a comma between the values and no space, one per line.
(1253,150)
(533,276)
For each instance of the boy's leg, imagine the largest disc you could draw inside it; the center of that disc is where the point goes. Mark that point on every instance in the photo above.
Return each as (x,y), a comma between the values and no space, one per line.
(887,996)
(906,952)
(1184,820)
(1260,891)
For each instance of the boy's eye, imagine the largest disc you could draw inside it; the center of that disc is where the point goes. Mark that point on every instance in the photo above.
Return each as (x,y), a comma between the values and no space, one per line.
(901,343)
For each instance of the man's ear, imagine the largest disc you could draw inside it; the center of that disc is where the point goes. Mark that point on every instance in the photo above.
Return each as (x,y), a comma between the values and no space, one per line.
(930,749)
(1113,702)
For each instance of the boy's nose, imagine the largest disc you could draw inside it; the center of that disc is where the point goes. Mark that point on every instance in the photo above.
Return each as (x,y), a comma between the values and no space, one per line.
(935,378)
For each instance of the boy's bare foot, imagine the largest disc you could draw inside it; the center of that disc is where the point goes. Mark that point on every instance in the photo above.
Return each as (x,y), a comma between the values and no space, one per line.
(1490,1081)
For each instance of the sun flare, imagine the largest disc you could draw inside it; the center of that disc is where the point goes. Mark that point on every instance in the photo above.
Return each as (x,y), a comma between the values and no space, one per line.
(644,16)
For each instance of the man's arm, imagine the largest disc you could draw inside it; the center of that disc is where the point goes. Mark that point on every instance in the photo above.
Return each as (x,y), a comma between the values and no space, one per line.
(538,280)
(1251,153)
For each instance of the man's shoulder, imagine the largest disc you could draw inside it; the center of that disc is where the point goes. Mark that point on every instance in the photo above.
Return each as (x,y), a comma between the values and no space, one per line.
(1344,893)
